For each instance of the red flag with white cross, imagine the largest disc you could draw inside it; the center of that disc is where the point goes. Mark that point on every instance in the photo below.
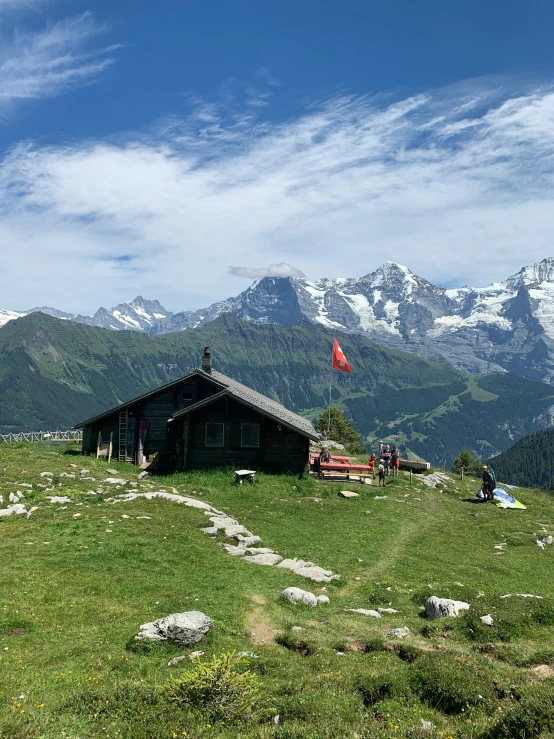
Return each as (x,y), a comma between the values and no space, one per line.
(339,360)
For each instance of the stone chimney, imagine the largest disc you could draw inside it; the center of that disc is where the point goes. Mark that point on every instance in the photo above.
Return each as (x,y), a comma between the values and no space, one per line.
(207,360)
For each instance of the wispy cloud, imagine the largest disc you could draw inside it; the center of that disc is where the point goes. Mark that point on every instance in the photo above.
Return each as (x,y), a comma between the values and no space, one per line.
(51,61)
(457,184)
(274,270)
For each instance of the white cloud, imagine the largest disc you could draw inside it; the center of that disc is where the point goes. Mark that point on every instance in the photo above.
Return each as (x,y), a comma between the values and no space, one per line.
(51,61)
(456,184)
(274,270)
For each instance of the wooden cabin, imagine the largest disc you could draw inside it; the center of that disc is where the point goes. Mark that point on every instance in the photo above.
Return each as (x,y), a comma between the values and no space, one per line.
(204,419)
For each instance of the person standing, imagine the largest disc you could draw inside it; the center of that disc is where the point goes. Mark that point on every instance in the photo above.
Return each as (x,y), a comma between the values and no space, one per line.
(395,460)
(381,473)
(386,458)
(489,483)
(371,465)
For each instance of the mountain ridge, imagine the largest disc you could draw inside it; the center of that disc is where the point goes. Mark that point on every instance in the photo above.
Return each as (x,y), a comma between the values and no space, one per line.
(507,326)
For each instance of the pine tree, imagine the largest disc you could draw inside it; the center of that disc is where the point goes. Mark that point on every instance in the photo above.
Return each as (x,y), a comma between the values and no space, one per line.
(472,465)
(341,430)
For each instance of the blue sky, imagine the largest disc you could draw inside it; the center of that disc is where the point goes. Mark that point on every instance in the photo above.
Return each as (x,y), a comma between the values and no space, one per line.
(141,144)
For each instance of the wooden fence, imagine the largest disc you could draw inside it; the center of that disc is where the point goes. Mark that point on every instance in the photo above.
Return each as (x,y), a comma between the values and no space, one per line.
(69,435)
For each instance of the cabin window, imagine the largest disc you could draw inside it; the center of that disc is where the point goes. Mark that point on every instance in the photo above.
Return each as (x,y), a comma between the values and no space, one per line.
(250,435)
(215,434)
(187,396)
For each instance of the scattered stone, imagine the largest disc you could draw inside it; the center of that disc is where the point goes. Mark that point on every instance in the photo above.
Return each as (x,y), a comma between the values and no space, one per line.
(315,500)
(211,530)
(143,475)
(521,595)
(365,612)
(540,543)
(543,672)
(259,550)
(348,494)
(398,633)
(15,509)
(247,540)
(77,515)
(426,725)
(308,570)
(442,607)
(47,474)
(296,595)
(196,655)
(112,472)
(59,499)
(67,474)
(248,654)
(487,620)
(72,465)
(176,660)
(234,551)
(84,472)
(116,480)
(148,517)
(549,540)
(263,559)
(12,498)
(295,629)
(183,628)
(125,516)
(387,610)
(32,510)
(25,485)
(380,497)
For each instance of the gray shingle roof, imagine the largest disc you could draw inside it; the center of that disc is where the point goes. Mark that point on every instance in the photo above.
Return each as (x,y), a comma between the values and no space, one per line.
(233,388)
(266,405)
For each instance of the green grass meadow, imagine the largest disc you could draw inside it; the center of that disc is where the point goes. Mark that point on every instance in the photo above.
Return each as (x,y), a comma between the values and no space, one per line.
(74,590)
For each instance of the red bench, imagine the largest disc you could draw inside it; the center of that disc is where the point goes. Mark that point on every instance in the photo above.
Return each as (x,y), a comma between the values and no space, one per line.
(343,467)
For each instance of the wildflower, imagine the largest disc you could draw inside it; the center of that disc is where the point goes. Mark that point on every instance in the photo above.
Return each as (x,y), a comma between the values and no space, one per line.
(40,705)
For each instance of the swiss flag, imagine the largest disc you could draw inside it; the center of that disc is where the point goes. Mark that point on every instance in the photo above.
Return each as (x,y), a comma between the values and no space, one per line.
(339,360)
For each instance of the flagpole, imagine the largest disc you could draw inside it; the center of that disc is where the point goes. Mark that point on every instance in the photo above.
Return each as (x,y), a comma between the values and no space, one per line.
(330,391)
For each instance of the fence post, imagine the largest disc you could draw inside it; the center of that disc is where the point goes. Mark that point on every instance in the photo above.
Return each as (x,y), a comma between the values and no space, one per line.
(98,444)
(110,449)
(462,473)
(410,475)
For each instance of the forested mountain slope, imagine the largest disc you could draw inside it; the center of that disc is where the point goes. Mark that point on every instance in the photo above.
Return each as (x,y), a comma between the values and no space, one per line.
(55,373)
(529,462)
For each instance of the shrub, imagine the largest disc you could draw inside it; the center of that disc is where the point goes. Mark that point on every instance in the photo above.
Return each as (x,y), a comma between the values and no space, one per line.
(503,629)
(532,716)
(451,683)
(219,689)
(376,688)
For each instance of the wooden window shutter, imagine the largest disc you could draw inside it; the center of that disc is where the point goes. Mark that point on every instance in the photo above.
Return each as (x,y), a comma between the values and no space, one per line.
(200,434)
(235,435)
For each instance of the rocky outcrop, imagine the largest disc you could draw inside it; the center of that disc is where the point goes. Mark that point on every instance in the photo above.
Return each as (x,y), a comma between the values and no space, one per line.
(183,628)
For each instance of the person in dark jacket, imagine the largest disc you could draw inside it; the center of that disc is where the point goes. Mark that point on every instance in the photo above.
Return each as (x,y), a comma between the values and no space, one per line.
(489,483)
(395,460)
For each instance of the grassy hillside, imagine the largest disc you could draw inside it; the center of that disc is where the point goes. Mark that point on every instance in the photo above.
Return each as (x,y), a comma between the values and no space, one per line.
(529,462)
(77,580)
(56,373)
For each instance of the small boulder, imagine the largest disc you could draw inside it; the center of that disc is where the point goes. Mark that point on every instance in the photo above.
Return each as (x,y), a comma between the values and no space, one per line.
(348,494)
(47,474)
(183,628)
(143,475)
(296,595)
(387,610)
(116,480)
(67,474)
(112,472)
(487,620)
(84,472)
(442,607)
(295,629)
(398,633)
(365,612)
(176,660)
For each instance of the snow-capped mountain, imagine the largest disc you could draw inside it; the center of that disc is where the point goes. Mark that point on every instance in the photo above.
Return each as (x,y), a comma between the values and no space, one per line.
(139,315)
(506,326)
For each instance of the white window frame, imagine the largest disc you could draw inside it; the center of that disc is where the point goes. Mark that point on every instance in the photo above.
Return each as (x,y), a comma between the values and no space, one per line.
(249,446)
(211,445)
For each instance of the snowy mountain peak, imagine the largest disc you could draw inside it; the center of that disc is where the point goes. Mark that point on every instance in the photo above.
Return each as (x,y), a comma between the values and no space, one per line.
(533,275)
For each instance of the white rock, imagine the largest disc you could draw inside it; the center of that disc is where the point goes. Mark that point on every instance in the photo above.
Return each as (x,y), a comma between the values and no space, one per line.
(13,498)
(521,595)
(549,540)
(387,610)
(398,633)
(348,494)
(116,480)
(67,474)
(184,628)
(540,543)
(47,474)
(308,570)
(25,485)
(84,472)
(380,497)
(295,629)
(211,530)
(296,595)
(259,550)
(176,660)
(442,607)
(263,559)
(143,475)
(77,515)
(59,499)
(16,509)
(112,472)
(247,541)
(235,551)
(195,655)
(488,620)
(365,612)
